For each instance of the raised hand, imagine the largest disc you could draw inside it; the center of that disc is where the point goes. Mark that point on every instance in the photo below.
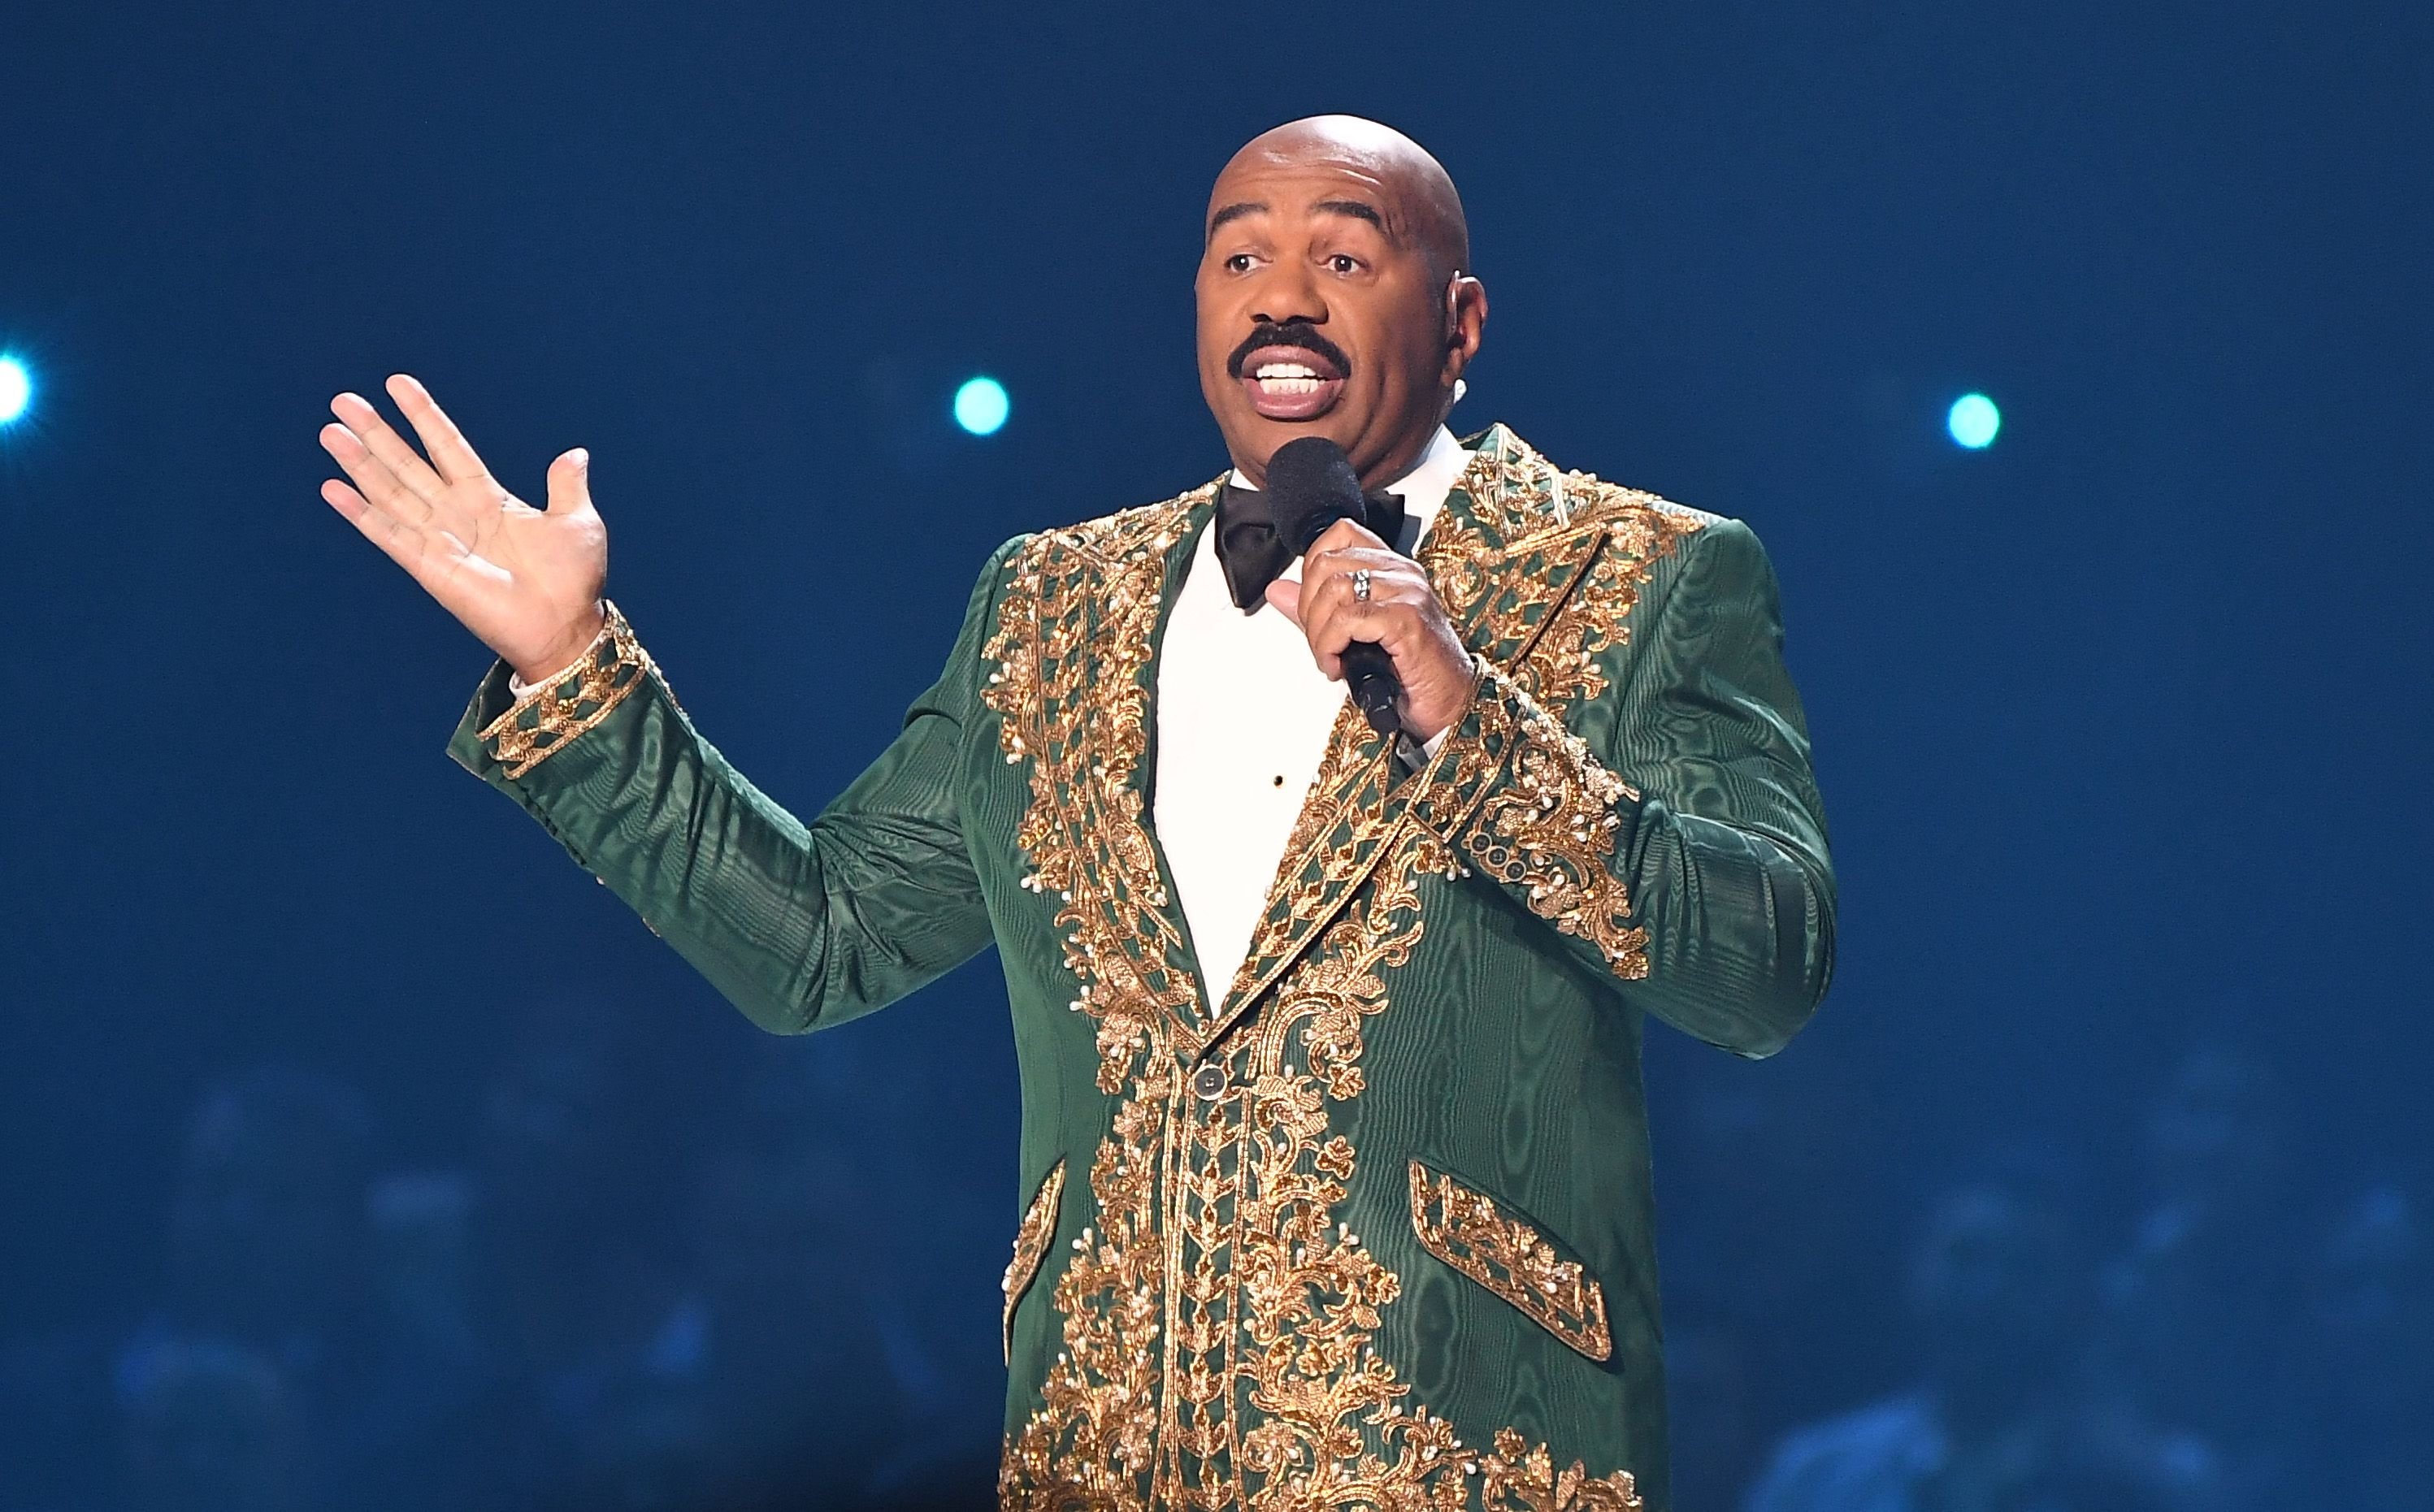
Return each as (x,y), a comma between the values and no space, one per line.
(526,581)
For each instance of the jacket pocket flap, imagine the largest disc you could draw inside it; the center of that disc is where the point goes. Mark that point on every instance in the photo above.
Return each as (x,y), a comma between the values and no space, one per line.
(1502,1251)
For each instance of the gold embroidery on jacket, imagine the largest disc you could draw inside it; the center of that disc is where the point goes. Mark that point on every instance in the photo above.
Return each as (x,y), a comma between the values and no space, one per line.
(1075,627)
(1032,1237)
(1587,547)
(1550,830)
(1468,1231)
(1523,1476)
(1218,1318)
(1564,667)
(1336,838)
(1512,574)
(1335,1429)
(610,668)
(1075,631)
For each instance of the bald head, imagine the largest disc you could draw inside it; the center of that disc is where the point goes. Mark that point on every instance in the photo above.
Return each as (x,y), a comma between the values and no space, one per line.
(1334,295)
(1421,207)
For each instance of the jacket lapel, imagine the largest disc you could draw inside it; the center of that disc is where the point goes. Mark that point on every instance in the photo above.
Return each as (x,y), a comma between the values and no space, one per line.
(1504,552)
(1510,548)
(1076,647)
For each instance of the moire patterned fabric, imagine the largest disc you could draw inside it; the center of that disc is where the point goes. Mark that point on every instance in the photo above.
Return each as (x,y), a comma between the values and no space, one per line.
(1370,1225)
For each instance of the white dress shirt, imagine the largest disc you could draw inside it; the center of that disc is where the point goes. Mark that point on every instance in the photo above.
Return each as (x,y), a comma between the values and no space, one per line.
(1243,719)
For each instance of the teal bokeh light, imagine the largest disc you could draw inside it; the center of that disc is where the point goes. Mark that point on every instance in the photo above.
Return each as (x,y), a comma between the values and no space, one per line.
(16,389)
(1974,421)
(981,405)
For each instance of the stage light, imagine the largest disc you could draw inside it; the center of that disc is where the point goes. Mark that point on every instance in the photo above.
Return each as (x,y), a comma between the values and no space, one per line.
(16,389)
(1973,422)
(981,405)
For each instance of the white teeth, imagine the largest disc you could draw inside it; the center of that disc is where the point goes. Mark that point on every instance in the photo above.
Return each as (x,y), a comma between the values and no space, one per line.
(1280,387)
(1285,370)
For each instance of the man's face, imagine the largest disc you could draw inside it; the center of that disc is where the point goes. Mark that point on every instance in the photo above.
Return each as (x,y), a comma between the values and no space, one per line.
(1321,314)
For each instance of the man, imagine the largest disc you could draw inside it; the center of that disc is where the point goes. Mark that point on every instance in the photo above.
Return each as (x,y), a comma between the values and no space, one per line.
(1334,1161)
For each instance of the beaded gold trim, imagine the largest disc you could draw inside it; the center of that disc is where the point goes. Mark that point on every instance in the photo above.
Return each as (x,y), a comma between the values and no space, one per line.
(1508,1255)
(1031,1241)
(541,724)
(1548,829)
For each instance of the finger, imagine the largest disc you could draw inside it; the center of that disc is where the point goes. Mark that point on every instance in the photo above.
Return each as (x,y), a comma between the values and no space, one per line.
(374,476)
(403,545)
(449,452)
(1328,581)
(1317,600)
(399,456)
(1320,567)
(1345,534)
(1318,607)
(344,500)
(1386,624)
(570,483)
(1286,595)
(1364,549)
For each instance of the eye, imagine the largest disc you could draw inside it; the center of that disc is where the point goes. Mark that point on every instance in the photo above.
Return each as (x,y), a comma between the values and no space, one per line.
(1238,263)
(1343,263)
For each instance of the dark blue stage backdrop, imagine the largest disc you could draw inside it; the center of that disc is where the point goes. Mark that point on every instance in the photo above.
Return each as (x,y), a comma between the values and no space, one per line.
(357,1152)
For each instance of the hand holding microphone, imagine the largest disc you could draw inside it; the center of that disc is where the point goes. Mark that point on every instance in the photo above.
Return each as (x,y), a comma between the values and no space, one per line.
(1371,616)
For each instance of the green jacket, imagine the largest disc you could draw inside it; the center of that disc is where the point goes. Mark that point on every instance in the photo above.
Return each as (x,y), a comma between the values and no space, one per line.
(1372,1227)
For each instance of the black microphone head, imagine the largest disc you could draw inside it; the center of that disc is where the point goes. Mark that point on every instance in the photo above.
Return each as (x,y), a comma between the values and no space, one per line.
(1310,485)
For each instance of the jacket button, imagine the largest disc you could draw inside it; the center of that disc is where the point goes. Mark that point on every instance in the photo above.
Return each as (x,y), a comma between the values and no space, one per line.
(1210,1082)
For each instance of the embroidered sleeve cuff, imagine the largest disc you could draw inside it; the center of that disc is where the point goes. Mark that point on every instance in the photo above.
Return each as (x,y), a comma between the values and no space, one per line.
(519,688)
(543,719)
(1524,800)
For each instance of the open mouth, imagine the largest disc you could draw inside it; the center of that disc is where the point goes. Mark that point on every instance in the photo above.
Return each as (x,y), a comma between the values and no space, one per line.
(1291,383)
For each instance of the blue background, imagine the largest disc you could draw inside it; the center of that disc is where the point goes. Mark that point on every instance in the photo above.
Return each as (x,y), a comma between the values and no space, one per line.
(2122,723)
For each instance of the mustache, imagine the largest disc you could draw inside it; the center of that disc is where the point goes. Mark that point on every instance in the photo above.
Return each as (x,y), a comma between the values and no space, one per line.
(1292,333)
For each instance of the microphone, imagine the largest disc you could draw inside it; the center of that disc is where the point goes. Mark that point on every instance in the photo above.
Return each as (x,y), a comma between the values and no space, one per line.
(1310,485)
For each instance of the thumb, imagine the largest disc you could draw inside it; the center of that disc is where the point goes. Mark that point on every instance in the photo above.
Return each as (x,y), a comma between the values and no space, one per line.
(570,483)
(1286,595)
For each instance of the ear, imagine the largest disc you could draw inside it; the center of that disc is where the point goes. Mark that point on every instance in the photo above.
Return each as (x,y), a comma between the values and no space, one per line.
(1466,325)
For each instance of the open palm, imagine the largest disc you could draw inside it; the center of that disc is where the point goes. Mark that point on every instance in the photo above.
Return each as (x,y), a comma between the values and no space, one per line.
(526,581)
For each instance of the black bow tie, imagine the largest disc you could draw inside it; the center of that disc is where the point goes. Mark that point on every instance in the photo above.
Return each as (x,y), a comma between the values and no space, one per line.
(1254,555)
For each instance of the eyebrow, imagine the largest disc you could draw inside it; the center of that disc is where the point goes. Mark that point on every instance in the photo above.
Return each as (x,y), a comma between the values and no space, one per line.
(1358,210)
(1236,212)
